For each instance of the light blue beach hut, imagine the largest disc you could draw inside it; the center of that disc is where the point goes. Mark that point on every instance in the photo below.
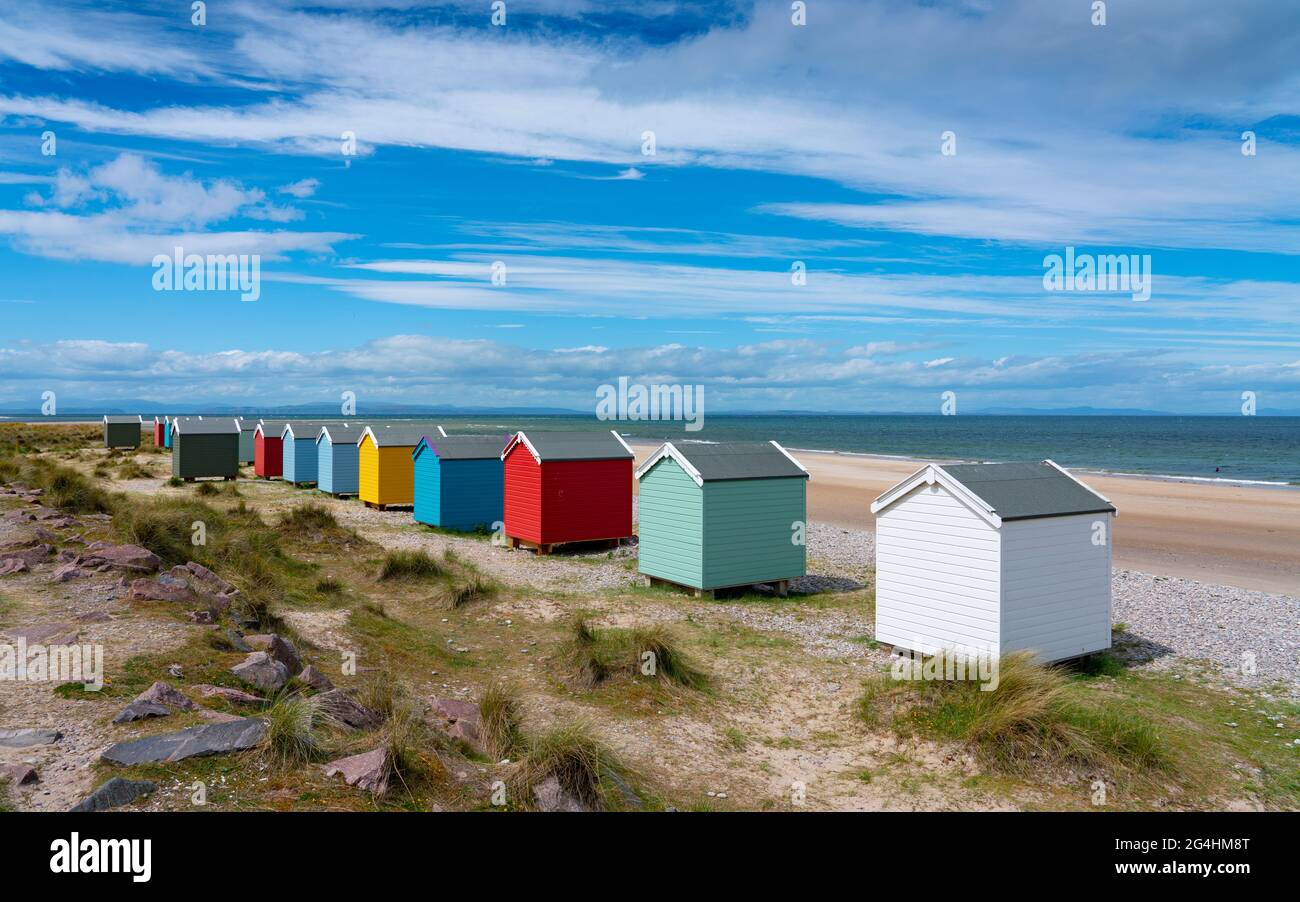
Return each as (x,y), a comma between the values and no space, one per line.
(298,443)
(459,481)
(336,457)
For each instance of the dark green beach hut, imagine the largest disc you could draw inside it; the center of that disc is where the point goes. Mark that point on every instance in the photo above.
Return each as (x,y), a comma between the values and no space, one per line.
(715,516)
(205,448)
(121,431)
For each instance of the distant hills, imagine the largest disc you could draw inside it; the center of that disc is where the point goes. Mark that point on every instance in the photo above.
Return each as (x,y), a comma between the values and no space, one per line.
(151,407)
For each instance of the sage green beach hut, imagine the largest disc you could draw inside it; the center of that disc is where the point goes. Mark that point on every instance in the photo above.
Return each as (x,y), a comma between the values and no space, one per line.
(247,428)
(205,448)
(716,516)
(122,432)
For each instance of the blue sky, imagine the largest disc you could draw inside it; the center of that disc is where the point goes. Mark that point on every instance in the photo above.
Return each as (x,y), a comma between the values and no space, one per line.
(775,143)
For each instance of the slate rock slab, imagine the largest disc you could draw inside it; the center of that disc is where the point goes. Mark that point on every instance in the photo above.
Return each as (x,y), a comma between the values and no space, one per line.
(152,590)
(125,557)
(551,796)
(11,565)
(237,640)
(139,710)
(19,774)
(315,679)
(368,771)
(261,670)
(161,693)
(46,634)
(235,696)
(115,792)
(30,556)
(26,737)
(191,742)
(458,719)
(346,710)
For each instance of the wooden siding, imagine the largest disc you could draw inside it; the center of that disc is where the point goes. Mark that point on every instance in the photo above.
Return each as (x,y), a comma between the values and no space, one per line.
(938,574)
(246,450)
(167,434)
(1056,586)
(336,469)
(121,435)
(670,525)
(368,470)
(268,456)
(522,495)
(749,531)
(205,454)
(586,500)
(300,461)
(385,475)
(458,494)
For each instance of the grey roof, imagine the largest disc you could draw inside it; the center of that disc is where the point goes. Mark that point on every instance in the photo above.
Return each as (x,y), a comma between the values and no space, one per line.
(577,445)
(207,426)
(247,425)
(402,435)
(116,419)
(273,428)
(1023,491)
(739,460)
(304,428)
(341,433)
(467,447)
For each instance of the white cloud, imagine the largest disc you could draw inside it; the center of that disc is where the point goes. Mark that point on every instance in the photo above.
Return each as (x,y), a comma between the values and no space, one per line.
(303,188)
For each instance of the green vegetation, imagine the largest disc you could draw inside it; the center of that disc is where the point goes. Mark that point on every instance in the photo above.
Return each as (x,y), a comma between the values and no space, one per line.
(500,729)
(590,656)
(585,767)
(410,565)
(466,589)
(294,735)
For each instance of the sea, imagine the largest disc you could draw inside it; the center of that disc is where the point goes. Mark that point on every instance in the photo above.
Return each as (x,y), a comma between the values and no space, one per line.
(1245,449)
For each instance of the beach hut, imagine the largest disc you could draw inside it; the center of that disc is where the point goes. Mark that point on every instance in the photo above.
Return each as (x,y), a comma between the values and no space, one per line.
(384,467)
(298,451)
(159,431)
(715,516)
(336,457)
(247,443)
(168,423)
(122,431)
(457,481)
(994,558)
(567,487)
(205,448)
(268,449)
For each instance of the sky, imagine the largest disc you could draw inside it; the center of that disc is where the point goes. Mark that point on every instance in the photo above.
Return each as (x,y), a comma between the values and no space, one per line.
(847,214)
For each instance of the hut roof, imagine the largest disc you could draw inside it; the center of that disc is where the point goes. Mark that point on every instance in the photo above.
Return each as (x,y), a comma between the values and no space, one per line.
(341,433)
(1010,491)
(711,462)
(118,420)
(211,426)
(400,435)
(465,447)
(546,446)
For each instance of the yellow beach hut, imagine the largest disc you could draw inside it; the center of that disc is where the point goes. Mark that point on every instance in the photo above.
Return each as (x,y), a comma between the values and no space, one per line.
(386,476)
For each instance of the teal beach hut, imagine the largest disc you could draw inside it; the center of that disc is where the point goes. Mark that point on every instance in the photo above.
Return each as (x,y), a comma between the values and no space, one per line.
(336,457)
(716,516)
(459,481)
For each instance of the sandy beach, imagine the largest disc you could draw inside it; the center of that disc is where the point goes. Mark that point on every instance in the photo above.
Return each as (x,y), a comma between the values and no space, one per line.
(1231,535)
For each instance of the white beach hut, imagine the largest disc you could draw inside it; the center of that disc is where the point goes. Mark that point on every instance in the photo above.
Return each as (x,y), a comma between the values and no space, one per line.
(998,557)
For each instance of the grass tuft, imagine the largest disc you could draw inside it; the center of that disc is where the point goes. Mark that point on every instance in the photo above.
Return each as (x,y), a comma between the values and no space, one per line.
(465,590)
(409,565)
(585,767)
(294,734)
(500,715)
(591,656)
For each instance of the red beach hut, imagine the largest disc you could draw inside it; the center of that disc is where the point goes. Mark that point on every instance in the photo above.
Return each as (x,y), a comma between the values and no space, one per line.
(268,450)
(567,487)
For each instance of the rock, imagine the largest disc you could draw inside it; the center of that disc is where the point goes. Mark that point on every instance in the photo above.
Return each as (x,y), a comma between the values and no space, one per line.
(551,796)
(217,716)
(68,572)
(115,792)
(12,565)
(69,557)
(19,774)
(44,535)
(454,709)
(192,742)
(235,696)
(30,556)
(161,693)
(315,679)
(261,670)
(46,634)
(201,617)
(368,771)
(284,652)
(152,590)
(139,710)
(94,617)
(207,582)
(631,801)
(346,710)
(125,557)
(26,737)
(237,640)
(175,672)
(458,719)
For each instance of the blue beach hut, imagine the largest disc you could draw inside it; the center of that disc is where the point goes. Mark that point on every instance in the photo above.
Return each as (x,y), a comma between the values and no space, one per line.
(298,447)
(459,481)
(336,457)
